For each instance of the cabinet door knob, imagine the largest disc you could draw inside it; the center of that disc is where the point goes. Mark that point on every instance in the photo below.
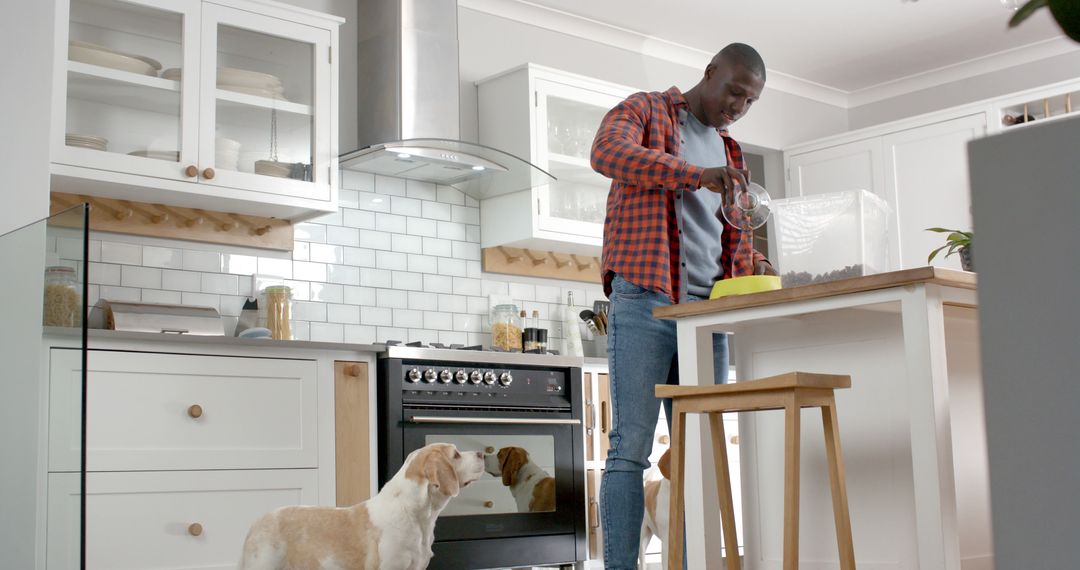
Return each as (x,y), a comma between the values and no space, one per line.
(195,411)
(194,529)
(191,171)
(735,440)
(489,504)
(208,173)
(353,370)
(489,450)
(664,439)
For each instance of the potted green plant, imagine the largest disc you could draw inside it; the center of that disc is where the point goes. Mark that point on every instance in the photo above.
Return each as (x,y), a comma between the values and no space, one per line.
(1065,12)
(956,241)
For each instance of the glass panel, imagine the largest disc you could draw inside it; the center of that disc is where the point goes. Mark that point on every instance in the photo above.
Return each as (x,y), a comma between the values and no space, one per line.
(581,193)
(265,104)
(57,242)
(519,476)
(123,68)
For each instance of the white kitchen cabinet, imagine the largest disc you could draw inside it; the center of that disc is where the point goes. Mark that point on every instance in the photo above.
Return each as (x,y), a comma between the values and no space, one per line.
(549,118)
(227,105)
(919,169)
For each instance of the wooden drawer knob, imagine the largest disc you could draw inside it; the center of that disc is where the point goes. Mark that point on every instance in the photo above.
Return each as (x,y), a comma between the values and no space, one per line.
(195,411)
(664,439)
(208,173)
(194,529)
(734,440)
(353,370)
(191,171)
(489,504)
(489,450)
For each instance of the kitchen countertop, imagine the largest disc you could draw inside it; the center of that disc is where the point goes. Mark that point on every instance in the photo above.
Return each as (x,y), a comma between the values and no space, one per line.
(112,335)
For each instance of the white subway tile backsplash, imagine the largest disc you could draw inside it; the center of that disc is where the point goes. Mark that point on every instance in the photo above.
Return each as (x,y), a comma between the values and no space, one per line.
(327,332)
(326,253)
(140,277)
(360,219)
(124,253)
(472,233)
(201,299)
(391,260)
(549,294)
(421,190)
(407,244)
(465,215)
(449,195)
(163,297)
(309,311)
(301,330)
(408,281)
(344,274)
(358,181)
(360,295)
(466,250)
(94,253)
(219,283)
(375,240)
(327,292)
(421,301)
(378,316)
(391,333)
(542,308)
(104,274)
(301,251)
(231,305)
(437,211)
(405,206)
(127,294)
(195,260)
(489,287)
(348,314)
(438,321)
(420,227)
(467,323)
(409,319)
(453,337)
(477,306)
(309,271)
(472,202)
(348,198)
(307,231)
(69,248)
(376,278)
(453,304)
(389,222)
(360,334)
(359,257)
(240,264)
(424,336)
(466,286)
(180,280)
(342,236)
(274,267)
(451,230)
(423,264)
(166,257)
(452,267)
(523,291)
(438,284)
(372,202)
(440,247)
(301,290)
(93,294)
(474,269)
(389,185)
(392,298)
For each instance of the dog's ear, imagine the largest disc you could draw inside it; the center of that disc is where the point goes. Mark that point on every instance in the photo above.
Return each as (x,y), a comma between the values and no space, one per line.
(665,464)
(441,474)
(511,462)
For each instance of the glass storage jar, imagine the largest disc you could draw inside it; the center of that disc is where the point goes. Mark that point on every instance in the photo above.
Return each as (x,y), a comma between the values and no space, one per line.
(275,309)
(63,298)
(505,327)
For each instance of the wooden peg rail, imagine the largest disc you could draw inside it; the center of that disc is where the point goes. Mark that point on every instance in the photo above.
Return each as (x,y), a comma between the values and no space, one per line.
(535,263)
(173,222)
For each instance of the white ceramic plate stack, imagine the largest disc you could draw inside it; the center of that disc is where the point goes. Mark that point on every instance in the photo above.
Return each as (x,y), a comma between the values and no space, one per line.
(170,155)
(86,141)
(100,55)
(226,153)
(250,82)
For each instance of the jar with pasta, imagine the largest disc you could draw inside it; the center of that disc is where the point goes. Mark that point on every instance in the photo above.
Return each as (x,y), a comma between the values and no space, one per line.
(276,308)
(63,299)
(506,328)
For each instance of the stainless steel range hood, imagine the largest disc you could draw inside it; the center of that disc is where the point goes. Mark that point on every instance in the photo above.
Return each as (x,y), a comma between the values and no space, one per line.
(409,106)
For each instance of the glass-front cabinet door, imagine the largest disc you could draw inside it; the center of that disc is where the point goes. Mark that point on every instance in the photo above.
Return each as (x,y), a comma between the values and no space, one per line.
(119,111)
(567,118)
(265,102)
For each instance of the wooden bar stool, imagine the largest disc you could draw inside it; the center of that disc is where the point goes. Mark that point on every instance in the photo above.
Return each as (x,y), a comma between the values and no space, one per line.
(789,392)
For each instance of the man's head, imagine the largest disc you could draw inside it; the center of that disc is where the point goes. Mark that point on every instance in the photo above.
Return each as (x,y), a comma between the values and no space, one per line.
(732,83)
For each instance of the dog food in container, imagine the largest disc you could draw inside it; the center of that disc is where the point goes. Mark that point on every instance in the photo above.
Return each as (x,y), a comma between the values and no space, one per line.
(275,305)
(506,327)
(63,300)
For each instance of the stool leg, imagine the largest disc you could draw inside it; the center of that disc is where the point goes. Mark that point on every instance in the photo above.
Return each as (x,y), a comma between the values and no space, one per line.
(678,477)
(839,492)
(723,491)
(791,483)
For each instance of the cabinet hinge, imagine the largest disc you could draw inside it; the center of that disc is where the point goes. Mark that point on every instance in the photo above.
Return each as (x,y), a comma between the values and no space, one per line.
(536,98)
(538,206)
(789,175)
(330,54)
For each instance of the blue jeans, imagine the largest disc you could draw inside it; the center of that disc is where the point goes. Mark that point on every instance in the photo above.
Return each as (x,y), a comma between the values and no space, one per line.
(642,353)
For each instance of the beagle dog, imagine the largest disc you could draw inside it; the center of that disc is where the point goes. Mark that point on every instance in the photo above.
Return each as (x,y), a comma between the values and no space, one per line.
(393,530)
(657,501)
(533,489)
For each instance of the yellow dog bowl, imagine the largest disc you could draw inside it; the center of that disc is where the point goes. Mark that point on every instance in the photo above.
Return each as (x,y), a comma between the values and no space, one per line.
(744,285)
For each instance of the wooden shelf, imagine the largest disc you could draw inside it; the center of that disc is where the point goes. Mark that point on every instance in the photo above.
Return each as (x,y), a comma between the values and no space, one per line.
(1044,109)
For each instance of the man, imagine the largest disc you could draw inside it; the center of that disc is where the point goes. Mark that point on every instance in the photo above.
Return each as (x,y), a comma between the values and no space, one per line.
(671,159)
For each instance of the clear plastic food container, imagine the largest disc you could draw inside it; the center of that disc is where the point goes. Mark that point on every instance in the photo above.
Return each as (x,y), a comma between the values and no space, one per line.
(825,237)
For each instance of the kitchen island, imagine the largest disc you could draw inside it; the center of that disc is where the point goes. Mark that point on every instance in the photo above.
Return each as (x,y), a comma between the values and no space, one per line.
(912,425)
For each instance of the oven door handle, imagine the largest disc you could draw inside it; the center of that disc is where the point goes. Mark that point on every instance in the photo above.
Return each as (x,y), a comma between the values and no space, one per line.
(467,420)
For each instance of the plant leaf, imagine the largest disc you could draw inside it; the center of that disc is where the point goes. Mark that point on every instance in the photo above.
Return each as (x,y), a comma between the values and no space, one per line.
(939,230)
(1025,11)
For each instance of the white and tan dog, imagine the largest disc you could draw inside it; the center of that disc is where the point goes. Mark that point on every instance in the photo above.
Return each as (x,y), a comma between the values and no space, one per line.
(657,505)
(532,487)
(393,530)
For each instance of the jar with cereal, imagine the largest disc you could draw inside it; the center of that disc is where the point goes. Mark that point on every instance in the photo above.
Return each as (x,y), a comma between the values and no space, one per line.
(63,298)
(506,327)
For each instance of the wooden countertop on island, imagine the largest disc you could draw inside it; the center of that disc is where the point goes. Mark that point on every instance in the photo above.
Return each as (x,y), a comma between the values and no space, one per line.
(929,274)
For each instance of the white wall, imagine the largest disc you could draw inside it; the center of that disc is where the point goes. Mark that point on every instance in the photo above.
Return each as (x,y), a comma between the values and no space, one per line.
(491,44)
(1018,78)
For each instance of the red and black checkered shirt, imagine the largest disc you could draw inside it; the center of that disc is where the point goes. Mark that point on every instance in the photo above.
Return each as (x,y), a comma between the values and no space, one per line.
(637,146)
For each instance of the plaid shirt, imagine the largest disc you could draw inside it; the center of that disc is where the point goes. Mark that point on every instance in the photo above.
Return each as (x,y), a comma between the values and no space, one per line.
(637,146)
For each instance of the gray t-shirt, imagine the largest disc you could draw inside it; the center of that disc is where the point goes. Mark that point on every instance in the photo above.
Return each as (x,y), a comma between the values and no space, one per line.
(701,223)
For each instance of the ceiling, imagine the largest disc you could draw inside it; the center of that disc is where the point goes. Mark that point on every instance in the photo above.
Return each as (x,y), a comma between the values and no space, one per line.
(849,46)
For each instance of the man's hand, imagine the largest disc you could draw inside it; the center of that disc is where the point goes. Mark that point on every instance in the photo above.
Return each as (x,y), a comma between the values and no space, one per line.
(724,179)
(764,268)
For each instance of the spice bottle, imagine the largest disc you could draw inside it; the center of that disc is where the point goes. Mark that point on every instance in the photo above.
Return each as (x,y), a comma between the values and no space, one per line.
(506,327)
(63,300)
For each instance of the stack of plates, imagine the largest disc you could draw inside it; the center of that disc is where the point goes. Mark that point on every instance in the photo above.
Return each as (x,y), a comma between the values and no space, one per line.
(250,82)
(86,141)
(100,55)
(170,155)
(226,153)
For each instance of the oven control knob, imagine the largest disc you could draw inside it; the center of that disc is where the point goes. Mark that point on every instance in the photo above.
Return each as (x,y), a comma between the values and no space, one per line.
(489,377)
(446,376)
(461,377)
(429,375)
(413,375)
(475,377)
(505,378)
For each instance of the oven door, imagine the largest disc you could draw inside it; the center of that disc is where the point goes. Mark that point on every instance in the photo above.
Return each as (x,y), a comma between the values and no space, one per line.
(488,508)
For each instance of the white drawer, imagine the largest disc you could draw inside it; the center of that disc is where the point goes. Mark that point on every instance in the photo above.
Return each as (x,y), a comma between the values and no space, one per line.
(255,412)
(142,520)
